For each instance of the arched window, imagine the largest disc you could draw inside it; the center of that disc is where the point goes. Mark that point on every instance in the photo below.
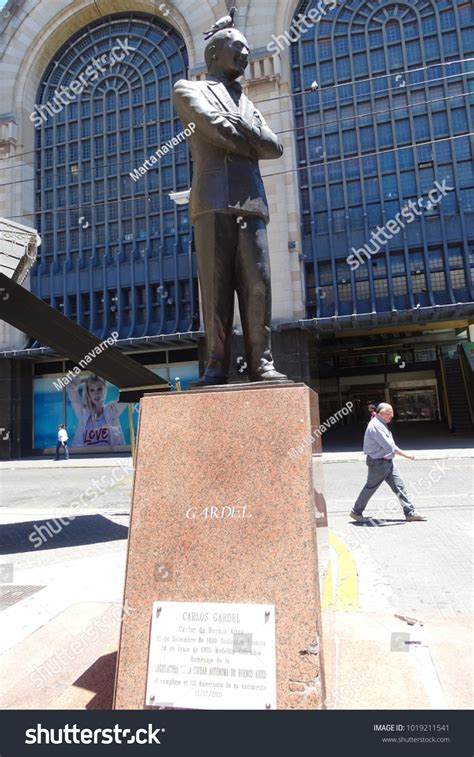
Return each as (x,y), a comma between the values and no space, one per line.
(388,82)
(116,249)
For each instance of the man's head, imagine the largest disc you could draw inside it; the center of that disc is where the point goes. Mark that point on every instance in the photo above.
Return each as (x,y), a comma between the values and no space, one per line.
(61,425)
(227,54)
(385,411)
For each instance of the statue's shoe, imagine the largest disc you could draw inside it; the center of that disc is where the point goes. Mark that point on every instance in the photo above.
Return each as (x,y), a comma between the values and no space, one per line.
(270,375)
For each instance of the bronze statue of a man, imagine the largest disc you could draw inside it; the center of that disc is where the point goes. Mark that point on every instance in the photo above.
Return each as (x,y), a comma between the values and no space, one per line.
(228,207)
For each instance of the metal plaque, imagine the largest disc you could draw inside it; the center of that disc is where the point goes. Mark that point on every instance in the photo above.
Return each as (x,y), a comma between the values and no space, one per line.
(212,656)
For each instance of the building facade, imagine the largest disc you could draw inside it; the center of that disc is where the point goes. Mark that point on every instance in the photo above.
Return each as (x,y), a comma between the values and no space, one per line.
(386,183)
(372,274)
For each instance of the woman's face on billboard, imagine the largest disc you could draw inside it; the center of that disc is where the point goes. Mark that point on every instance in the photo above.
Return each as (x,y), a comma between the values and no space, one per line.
(96,391)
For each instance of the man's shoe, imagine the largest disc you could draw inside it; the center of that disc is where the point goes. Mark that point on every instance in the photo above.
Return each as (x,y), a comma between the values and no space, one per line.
(415,516)
(357,517)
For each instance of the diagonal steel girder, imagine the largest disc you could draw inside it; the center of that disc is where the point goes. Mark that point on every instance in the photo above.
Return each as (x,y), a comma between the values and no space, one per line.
(21,309)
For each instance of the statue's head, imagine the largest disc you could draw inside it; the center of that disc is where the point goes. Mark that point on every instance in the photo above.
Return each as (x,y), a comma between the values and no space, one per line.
(227,52)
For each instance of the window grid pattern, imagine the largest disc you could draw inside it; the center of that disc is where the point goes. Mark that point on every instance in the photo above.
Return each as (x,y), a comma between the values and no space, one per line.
(100,227)
(346,201)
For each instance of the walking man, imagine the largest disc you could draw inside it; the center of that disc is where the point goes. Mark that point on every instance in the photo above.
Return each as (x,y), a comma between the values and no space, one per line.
(380,448)
(62,442)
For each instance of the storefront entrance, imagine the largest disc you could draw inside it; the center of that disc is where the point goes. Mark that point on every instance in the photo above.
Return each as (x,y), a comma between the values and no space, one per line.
(416,404)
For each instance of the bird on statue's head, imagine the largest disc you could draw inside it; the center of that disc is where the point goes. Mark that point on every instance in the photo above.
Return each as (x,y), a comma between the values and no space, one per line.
(226,22)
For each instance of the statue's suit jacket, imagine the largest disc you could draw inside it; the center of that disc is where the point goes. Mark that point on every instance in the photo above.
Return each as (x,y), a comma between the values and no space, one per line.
(226,175)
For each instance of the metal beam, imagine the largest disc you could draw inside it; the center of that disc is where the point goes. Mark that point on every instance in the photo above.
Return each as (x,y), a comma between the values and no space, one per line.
(40,321)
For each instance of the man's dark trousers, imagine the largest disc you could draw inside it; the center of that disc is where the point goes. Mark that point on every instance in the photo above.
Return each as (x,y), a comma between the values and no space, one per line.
(232,256)
(379,471)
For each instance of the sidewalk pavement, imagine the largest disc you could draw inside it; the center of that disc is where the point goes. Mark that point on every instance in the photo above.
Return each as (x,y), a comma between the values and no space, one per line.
(41,463)
(62,614)
(112,462)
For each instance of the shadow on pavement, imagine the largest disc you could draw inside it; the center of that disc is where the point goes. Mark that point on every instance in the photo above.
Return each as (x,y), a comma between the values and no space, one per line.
(99,679)
(38,535)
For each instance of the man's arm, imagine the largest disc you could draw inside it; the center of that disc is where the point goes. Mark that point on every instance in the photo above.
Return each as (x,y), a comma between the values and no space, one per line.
(212,125)
(270,142)
(261,136)
(400,452)
(387,443)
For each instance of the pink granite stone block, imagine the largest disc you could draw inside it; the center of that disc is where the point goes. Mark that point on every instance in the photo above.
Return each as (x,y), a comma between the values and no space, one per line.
(226,448)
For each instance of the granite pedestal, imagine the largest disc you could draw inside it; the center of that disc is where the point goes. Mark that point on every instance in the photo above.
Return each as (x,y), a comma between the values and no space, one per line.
(222,513)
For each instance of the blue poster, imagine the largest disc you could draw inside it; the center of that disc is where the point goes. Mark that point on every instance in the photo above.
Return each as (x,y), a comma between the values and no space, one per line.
(89,407)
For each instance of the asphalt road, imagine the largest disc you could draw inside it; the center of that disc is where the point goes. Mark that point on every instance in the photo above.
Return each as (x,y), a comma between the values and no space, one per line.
(421,569)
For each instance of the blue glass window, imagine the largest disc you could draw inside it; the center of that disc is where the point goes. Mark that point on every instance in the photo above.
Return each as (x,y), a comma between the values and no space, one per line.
(422,128)
(406,158)
(359,42)
(356,216)
(398,38)
(432,48)
(337,196)
(448,20)
(466,13)
(343,69)
(450,43)
(429,24)
(372,191)
(462,148)
(392,31)
(367,137)
(440,124)
(377,59)
(459,117)
(354,190)
(468,40)
(332,145)
(403,132)
(414,52)
(387,162)
(467,200)
(369,165)
(350,142)
(395,56)
(385,135)
(374,215)
(408,180)
(360,64)
(106,117)
(326,73)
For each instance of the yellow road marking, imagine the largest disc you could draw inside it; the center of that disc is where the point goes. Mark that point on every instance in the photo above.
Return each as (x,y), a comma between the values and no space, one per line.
(346,595)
